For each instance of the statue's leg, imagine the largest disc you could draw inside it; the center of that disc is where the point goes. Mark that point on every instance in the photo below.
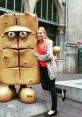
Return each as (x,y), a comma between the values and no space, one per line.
(12,87)
(23,86)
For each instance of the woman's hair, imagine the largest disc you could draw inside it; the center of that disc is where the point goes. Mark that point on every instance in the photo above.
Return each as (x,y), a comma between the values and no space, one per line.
(43,29)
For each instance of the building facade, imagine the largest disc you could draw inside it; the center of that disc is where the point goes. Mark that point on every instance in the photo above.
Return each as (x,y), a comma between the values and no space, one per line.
(62,20)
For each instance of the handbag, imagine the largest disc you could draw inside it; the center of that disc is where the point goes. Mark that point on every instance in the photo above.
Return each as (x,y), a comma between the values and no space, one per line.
(52,69)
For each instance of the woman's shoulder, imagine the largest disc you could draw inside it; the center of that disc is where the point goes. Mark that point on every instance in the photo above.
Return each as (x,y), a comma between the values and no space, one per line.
(50,41)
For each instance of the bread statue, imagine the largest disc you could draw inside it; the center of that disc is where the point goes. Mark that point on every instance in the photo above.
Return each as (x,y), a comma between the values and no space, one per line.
(17,64)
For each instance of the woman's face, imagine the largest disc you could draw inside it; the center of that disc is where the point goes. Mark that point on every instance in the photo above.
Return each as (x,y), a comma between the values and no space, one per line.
(40,34)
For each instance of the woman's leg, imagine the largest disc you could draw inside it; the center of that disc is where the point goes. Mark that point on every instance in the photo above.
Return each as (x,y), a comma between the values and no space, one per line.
(62,92)
(48,84)
(53,94)
(44,79)
(58,90)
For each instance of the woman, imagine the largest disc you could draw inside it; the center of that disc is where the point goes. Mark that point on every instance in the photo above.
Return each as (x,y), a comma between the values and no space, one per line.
(44,53)
(62,92)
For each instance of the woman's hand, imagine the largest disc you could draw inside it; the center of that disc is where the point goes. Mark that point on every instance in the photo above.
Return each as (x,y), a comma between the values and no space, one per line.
(35,53)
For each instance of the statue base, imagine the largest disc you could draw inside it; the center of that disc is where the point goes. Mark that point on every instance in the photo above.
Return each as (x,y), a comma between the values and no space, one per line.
(15,108)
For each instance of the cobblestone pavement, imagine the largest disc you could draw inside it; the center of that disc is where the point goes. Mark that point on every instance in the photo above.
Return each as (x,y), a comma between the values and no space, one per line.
(68,108)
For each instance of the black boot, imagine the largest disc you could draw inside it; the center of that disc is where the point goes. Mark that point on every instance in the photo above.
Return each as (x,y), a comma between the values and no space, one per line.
(63,94)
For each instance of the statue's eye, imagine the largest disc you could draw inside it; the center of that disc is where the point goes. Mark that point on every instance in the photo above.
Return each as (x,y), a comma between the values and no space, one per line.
(23,34)
(11,35)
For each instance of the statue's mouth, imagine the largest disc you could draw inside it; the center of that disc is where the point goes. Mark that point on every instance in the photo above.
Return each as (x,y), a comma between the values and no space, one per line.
(18,57)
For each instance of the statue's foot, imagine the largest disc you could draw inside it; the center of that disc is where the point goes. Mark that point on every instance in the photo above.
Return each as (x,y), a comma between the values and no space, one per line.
(20,89)
(27,95)
(6,94)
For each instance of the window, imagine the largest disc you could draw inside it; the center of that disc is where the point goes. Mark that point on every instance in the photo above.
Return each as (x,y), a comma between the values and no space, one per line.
(18,5)
(2,3)
(10,5)
(48,17)
(38,8)
(50,10)
(14,5)
(55,14)
(46,10)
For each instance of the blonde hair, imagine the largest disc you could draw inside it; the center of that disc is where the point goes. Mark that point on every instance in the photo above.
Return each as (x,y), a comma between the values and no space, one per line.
(43,29)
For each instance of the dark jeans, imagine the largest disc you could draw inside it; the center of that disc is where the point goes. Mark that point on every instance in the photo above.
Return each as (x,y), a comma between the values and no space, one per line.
(59,91)
(49,85)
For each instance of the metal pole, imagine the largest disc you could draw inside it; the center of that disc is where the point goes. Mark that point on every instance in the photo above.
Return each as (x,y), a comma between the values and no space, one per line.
(14,5)
(66,21)
(6,4)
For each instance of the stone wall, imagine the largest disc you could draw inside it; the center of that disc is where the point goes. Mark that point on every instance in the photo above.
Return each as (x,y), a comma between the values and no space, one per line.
(70,58)
(74,20)
(73,34)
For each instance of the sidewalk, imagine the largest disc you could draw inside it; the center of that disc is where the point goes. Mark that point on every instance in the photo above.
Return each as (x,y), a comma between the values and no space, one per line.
(68,108)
